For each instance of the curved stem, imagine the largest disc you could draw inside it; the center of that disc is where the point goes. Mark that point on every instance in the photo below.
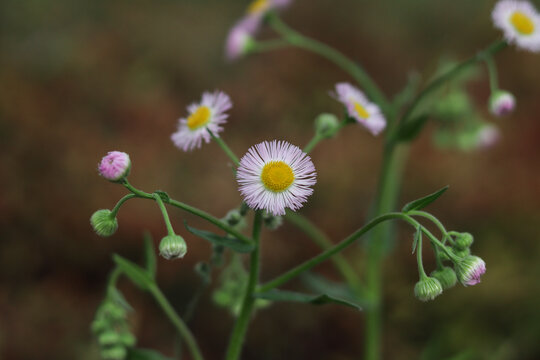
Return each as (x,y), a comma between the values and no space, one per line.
(421,271)
(121,202)
(240,327)
(320,238)
(433,219)
(178,323)
(492,73)
(312,143)
(225,148)
(159,201)
(354,69)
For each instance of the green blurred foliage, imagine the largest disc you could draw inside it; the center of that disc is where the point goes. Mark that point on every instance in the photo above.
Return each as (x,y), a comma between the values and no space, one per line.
(80,78)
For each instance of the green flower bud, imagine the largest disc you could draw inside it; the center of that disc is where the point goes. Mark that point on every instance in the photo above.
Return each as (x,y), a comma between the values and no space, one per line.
(469,270)
(463,253)
(442,255)
(427,289)
(271,221)
(446,276)
(114,353)
(108,338)
(233,217)
(127,339)
(104,223)
(453,106)
(463,241)
(172,247)
(326,125)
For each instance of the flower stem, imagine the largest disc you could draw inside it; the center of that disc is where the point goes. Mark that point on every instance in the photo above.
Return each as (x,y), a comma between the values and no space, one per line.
(312,143)
(178,323)
(354,69)
(492,73)
(225,148)
(240,327)
(421,271)
(159,201)
(119,204)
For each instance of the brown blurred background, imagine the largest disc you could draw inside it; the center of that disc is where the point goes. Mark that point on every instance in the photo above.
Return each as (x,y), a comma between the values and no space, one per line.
(80,78)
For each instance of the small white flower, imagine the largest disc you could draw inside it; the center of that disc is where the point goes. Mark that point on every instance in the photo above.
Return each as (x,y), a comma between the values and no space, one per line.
(360,108)
(208,114)
(520,23)
(274,176)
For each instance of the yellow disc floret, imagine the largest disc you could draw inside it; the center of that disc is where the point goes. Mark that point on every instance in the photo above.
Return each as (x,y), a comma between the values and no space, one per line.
(199,118)
(257,6)
(277,176)
(522,23)
(360,110)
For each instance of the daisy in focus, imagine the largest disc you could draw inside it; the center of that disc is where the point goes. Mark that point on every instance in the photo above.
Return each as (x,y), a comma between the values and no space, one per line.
(520,23)
(360,108)
(274,176)
(208,115)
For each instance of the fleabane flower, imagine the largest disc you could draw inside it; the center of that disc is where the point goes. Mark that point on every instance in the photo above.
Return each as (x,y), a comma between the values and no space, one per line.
(487,136)
(115,166)
(470,269)
(259,8)
(274,176)
(360,108)
(502,103)
(520,23)
(240,37)
(208,114)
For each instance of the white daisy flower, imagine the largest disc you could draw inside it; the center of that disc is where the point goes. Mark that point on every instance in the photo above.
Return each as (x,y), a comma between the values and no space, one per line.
(360,108)
(208,114)
(520,23)
(275,175)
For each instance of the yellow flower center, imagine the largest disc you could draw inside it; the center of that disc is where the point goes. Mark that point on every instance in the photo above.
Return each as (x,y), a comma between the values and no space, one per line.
(257,6)
(199,118)
(522,23)
(277,176)
(360,110)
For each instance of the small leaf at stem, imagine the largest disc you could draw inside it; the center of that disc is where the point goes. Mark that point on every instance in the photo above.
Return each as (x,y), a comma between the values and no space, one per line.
(284,295)
(320,284)
(163,195)
(409,130)
(144,354)
(230,242)
(423,202)
(134,272)
(150,255)
(417,236)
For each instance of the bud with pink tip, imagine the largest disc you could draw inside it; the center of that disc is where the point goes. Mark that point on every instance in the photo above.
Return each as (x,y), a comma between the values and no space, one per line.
(115,166)
(470,269)
(502,103)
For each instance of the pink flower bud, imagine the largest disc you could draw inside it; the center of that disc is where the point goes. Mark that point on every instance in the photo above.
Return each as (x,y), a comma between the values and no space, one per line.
(115,166)
(502,103)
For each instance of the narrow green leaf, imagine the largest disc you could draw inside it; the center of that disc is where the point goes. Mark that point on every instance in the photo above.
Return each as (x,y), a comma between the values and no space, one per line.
(150,255)
(320,284)
(145,354)
(134,272)
(409,130)
(417,237)
(423,202)
(284,295)
(119,298)
(230,242)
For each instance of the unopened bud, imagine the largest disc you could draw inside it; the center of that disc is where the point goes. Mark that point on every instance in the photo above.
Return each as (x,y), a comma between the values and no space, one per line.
(463,241)
(114,353)
(272,222)
(172,247)
(326,125)
(462,253)
(104,223)
(234,217)
(469,270)
(427,289)
(115,166)
(502,103)
(446,276)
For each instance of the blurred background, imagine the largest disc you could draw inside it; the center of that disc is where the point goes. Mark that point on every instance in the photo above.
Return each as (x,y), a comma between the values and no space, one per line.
(80,78)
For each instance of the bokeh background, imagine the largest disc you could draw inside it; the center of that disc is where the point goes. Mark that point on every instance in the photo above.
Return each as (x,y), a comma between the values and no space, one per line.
(80,78)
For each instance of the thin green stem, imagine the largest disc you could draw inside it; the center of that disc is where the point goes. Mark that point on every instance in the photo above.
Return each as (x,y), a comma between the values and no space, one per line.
(178,323)
(354,69)
(193,210)
(312,143)
(159,201)
(492,73)
(225,148)
(320,238)
(433,219)
(421,271)
(113,279)
(289,275)
(268,45)
(240,327)
(119,204)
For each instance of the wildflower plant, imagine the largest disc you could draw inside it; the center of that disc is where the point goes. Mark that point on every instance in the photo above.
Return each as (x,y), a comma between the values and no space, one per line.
(275,179)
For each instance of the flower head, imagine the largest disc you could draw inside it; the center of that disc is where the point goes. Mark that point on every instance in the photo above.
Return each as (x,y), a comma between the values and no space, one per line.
(208,114)
(502,103)
(470,269)
(240,37)
(520,23)
(276,175)
(427,289)
(172,247)
(104,223)
(446,276)
(360,108)
(115,166)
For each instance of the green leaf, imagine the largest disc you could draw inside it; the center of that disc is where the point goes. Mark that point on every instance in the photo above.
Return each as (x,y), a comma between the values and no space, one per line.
(145,354)
(320,284)
(425,201)
(409,130)
(283,295)
(417,237)
(118,298)
(137,274)
(150,255)
(230,242)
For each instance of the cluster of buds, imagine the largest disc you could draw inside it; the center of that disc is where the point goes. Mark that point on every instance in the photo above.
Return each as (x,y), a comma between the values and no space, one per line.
(111,329)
